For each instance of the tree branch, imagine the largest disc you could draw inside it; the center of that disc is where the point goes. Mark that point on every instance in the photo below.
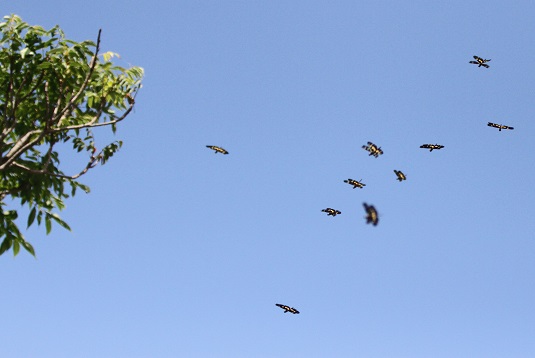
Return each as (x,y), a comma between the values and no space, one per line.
(32,90)
(7,101)
(48,155)
(92,124)
(6,131)
(91,164)
(47,99)
(24,143)
(86,81)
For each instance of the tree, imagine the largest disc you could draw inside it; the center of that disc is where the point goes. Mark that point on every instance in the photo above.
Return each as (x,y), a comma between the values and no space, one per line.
(53,93)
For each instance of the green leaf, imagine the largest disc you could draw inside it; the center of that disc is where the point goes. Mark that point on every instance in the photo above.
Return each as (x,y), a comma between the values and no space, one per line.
(28,247)
(16,248)
(48,224)
(25,51)
(59,221)
(11,214)
(84,188)
(6,244)
(31,217)
(109,55)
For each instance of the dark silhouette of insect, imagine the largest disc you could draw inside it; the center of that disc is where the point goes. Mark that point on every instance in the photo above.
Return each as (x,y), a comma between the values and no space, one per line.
(287,308)
(431,146)
(217,149)
(400,175)
(373,149)
(499,126)
(355,183)
(480,62)
(371,214)
(331,212)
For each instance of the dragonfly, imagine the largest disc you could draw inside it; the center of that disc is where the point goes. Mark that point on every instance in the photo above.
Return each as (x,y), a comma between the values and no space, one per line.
(480,62)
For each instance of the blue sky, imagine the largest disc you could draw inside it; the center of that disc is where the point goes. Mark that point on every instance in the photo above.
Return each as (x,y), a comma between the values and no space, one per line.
(179,252)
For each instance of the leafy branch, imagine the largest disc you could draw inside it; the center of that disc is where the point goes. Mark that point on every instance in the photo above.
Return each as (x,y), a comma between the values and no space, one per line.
(52,90)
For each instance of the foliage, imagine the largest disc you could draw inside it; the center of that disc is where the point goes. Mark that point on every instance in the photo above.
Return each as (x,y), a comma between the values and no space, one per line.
(53,92)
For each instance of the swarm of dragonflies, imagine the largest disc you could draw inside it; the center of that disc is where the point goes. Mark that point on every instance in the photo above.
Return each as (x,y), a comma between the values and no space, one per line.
(372,216)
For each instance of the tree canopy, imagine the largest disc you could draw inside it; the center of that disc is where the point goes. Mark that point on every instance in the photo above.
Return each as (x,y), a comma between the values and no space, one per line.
(53,93)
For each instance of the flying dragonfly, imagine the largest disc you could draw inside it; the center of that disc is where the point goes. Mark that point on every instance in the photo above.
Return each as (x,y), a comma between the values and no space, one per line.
(431,146)
(355,183)
(499,126)
(373,149)
(480,62)
(331,212)
(371,214)
(287,308)
(217,149)
(400,175)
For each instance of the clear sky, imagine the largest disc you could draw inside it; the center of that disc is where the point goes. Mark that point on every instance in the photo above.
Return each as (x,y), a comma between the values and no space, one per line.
(180,252)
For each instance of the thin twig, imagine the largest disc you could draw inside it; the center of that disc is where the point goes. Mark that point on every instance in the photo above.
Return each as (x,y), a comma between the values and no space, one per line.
(92,124)
(87,78)
(91,164)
